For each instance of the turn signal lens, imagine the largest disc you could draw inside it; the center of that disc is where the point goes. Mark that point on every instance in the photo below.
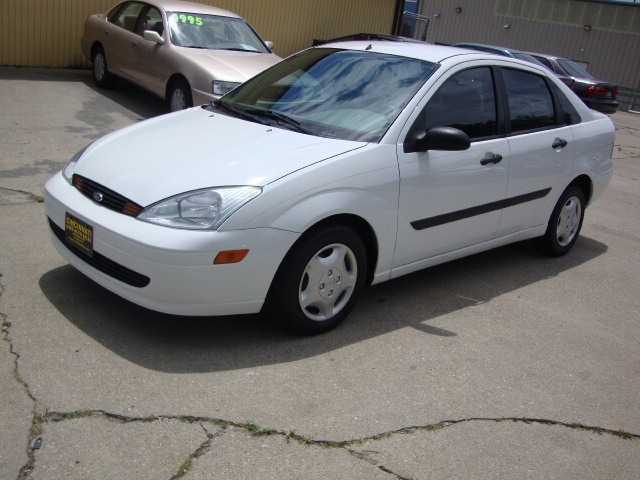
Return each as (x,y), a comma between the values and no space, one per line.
(230,256)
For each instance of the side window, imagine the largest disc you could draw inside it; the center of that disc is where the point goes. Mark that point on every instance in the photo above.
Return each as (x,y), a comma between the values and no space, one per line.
(152,20)
(530,101)
(569,112)
(128,16)
(113,14)
(466,101)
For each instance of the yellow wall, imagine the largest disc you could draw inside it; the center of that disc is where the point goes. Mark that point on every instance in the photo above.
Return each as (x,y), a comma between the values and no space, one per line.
(46,33)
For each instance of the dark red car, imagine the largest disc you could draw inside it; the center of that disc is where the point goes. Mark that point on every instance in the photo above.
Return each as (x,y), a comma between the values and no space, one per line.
(596,94)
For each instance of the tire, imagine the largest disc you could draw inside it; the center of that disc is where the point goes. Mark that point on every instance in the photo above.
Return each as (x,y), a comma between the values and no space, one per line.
(101,75)
(319,281)
(564,224)
(179,96)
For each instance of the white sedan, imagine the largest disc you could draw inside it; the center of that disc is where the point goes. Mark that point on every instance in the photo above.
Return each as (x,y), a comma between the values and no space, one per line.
(341,166)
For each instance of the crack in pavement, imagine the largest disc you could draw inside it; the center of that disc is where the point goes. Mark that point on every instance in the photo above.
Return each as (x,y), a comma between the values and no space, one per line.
(30,196)
(39,419)
(35,426)
(256,430)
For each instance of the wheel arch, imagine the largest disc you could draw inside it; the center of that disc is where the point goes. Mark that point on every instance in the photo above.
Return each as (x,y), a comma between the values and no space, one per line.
(585,184)
(172,79)
(94,48)
(359,225)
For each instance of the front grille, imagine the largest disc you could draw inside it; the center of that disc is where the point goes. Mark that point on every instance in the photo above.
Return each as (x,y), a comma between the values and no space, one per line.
(103,264)
(109,199)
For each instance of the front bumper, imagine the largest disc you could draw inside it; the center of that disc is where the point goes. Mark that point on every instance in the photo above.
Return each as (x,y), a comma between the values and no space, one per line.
(182,278)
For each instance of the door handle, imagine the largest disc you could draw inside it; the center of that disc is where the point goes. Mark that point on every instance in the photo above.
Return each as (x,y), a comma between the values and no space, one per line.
(491,158)
(134,44)
(559,143)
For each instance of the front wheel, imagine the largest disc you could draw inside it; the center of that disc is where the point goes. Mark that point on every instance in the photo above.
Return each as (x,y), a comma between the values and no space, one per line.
(565,223)
(319,281)
(179,96)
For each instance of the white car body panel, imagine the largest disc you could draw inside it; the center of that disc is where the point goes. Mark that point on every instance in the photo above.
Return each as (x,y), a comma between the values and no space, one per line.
(438,183)
(212,150)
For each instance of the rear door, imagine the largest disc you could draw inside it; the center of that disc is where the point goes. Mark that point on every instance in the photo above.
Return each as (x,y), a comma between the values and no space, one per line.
(541,148)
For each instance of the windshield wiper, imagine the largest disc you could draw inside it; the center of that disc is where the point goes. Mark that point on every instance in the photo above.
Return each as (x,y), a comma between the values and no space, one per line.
(281,117)
(235,49)
(240,113)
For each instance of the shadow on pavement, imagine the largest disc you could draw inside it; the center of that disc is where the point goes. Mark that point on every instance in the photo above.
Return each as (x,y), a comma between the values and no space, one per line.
(128,96)
(206,344)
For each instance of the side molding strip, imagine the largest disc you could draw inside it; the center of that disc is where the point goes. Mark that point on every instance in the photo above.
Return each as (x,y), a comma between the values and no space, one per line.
(479,210)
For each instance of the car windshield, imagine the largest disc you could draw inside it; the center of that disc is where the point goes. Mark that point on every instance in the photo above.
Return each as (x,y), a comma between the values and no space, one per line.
(213,32)
(350,95)
(573,69)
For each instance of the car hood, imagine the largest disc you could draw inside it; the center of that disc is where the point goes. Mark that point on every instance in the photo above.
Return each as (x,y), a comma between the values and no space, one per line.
(198,148)
(229,65)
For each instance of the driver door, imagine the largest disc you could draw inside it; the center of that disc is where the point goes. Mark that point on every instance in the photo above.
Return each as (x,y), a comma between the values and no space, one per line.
(453,199)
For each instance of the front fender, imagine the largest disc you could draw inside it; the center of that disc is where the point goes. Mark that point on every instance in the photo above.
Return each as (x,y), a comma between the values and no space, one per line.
(376,211)
(363,183)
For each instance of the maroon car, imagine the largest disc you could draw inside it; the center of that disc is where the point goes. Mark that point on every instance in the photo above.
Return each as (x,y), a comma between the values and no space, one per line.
(596,94)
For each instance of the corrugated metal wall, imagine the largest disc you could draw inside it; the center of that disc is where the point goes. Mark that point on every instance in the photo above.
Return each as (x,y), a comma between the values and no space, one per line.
(611,48)
(46,33)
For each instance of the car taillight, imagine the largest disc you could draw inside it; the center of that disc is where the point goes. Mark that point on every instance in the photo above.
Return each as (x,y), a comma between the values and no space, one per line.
(600,91)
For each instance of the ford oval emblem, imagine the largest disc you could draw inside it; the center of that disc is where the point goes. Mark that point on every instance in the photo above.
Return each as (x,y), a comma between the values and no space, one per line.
(97,196)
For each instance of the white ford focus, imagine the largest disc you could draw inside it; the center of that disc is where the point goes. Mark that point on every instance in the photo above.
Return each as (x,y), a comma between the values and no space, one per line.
(341,166)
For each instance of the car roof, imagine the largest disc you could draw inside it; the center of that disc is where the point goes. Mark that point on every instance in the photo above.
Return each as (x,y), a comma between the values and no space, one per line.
(191,7)
(418,50)
(492,47)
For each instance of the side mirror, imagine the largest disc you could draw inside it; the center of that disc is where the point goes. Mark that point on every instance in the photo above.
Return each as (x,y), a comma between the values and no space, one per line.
(153,36)
(438,138)
(269,44)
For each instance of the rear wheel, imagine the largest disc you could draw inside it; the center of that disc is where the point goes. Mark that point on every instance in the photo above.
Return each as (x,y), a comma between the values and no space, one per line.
(179,96)
(101,75)
(565,223)
(319,281)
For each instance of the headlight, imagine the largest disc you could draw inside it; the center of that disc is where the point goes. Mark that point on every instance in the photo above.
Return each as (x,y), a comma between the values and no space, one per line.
(199,210)
(218,87)
(67,173)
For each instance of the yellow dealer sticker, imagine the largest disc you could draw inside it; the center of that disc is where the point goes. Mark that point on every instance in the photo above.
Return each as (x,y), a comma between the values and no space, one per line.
(79,234)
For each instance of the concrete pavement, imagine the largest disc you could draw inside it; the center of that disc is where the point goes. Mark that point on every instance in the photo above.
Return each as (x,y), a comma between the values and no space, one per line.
(504,364)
